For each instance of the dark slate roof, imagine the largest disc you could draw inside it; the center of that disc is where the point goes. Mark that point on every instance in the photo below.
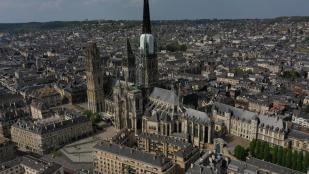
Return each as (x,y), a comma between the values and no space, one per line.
(197,115)
(166,139)
(127,152)
(6,165)
(242,167)
(271,167)
(39,165)
(187,152)
(6,116)
(198,169)
(298,135)
(236,112)
(43,166)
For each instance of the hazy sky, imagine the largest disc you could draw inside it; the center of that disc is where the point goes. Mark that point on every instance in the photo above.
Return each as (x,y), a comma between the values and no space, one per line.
(50,10)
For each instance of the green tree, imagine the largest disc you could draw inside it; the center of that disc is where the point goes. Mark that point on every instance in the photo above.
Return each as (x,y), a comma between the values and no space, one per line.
(300,159)
(294,160)
(237,151)
(306,162)
(280,156)
(252,147)
(288,159)
(94,117)
(257,148)
(240,153)
(266,153)
(275,155)
(261,150)
(284,154)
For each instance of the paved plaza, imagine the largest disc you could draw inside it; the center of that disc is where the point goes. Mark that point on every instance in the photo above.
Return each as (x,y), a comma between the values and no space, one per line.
(81,151)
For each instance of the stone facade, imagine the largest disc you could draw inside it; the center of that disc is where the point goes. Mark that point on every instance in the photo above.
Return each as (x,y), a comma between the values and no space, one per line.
(181,152)
(113,158)
(299,140)
(45,135)
(129,105)
(249,125)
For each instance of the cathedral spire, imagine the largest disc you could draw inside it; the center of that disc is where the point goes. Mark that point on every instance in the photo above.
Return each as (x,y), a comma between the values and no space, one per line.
(146,20)
(130,54)
(130,62)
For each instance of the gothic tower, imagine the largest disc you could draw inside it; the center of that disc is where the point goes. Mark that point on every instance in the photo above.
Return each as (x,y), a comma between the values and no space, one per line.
(128,106)
(131,63)
(147,65)
(95,77)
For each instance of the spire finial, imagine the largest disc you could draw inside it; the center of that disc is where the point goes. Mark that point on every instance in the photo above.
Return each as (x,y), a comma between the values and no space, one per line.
(146,19)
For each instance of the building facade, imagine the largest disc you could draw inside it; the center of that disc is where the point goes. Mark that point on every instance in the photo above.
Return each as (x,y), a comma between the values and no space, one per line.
(128,102)
(112,158)
(44,135)
(298,140)
(249,125)
(182,153)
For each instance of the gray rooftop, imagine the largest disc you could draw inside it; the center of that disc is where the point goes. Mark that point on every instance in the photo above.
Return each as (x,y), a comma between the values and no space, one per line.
(167,96)
(197,115)
(242,167)
(198,169)
(298,135)
(271,167)
(166,139)
(51,124)
(43,167)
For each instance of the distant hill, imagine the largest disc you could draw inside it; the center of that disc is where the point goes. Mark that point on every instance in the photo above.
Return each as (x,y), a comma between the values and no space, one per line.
(37,26)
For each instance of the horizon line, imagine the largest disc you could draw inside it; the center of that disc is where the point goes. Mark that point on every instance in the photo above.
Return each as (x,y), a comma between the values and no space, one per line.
(153,20)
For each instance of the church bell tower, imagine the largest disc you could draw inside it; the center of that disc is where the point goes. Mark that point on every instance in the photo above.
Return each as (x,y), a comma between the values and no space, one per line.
(95,79)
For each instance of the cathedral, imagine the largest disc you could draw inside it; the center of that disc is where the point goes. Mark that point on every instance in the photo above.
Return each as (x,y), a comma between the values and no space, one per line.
(137,103)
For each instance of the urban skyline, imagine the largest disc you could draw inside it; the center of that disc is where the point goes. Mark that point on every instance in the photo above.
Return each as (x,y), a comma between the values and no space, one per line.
(177,97)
